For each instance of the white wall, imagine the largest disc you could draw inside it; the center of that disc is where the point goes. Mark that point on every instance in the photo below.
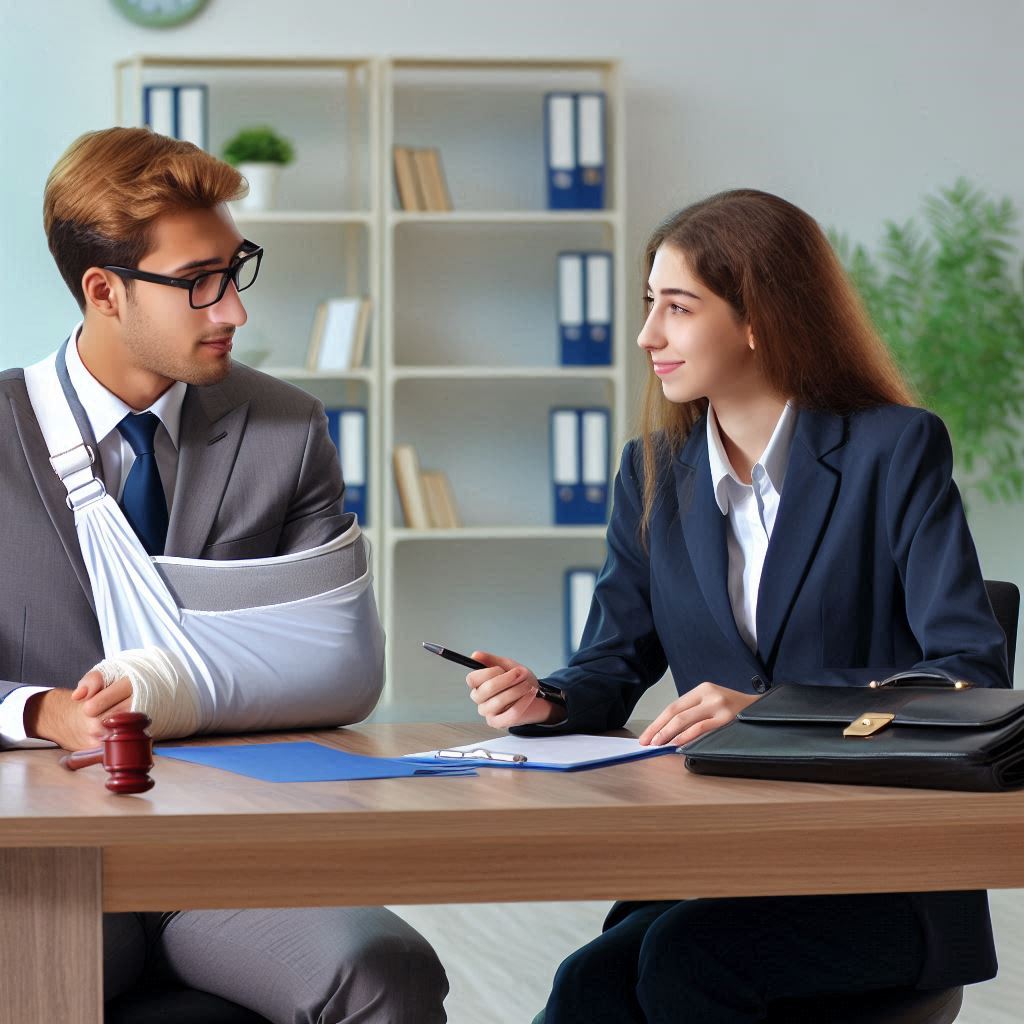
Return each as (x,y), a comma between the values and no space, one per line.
(851,111)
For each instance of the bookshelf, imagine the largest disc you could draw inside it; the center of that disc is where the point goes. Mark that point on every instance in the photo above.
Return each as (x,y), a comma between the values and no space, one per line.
(470,362)
(464,358)
(322,239)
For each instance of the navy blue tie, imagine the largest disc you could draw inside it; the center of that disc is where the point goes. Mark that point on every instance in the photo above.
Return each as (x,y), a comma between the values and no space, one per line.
(143,501)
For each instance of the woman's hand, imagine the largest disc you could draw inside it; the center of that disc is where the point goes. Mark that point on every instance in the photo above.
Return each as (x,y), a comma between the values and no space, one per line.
(706,707)
(505,694)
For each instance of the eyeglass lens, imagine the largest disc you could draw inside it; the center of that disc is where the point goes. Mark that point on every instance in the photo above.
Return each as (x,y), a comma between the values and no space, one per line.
(209,288)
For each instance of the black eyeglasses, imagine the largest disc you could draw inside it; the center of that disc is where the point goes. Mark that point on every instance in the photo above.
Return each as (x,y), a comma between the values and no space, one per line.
(207,289)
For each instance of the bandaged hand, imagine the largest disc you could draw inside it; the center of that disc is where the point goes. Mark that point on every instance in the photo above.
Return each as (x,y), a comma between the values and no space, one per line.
(157,683)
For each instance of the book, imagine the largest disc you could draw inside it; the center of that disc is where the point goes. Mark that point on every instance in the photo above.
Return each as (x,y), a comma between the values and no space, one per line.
(590,150)
(432,185)
(407,180)
(579,595)
(440,500)
(338,337)
(411,493)
(560,150)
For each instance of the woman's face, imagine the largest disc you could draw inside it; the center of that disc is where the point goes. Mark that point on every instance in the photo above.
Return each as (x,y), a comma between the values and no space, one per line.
(697,345)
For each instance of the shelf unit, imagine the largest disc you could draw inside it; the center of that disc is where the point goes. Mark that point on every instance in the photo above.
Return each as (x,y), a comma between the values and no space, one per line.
(463,355)
(323,240)
(470,324)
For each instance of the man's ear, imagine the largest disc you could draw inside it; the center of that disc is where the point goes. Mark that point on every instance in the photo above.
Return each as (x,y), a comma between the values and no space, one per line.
(104,292)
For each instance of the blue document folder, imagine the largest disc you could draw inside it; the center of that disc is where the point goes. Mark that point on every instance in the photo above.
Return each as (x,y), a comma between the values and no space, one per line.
(579,466)
(304,762)
(347,429)
(560,150)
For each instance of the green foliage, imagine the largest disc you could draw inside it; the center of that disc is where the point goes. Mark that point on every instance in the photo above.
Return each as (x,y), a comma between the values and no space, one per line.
(258,145)
(951,308)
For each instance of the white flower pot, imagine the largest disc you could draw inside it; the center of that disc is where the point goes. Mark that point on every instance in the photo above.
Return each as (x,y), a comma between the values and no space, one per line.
(263,180)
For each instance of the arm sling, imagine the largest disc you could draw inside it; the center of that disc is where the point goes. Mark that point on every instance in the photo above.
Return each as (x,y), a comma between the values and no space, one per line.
(292,641)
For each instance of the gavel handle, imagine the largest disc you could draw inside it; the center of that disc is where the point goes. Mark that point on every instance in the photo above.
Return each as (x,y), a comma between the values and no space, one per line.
(82,759)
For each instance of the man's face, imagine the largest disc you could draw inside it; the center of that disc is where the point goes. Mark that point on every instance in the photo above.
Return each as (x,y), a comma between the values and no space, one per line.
(162,333)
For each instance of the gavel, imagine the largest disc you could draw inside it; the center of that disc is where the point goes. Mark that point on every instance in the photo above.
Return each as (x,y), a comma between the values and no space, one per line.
(126,754)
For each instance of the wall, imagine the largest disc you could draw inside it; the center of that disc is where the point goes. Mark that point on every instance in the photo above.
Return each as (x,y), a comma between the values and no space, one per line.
(851,111)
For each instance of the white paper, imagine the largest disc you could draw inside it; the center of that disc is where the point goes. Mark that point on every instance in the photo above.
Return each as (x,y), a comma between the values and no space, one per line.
(556,751)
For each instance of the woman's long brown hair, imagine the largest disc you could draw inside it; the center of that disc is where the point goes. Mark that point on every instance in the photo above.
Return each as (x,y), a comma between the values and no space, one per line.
(774,266)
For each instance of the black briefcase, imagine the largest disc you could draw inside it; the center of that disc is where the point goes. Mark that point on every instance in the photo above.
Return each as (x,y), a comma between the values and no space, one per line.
(913,729)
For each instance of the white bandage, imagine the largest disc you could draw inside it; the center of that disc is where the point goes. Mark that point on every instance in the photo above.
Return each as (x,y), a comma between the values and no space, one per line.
(161,689)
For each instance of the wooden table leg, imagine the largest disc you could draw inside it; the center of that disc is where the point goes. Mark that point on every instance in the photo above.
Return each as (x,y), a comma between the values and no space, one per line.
(51,935)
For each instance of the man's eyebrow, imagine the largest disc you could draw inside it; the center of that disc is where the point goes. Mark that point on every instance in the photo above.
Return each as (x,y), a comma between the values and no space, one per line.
(199,264)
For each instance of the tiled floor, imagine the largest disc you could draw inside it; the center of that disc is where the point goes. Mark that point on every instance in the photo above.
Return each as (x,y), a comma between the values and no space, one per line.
(501,957)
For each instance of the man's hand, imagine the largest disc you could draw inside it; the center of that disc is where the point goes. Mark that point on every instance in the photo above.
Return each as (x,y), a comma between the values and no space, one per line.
(706,707)
(74,720)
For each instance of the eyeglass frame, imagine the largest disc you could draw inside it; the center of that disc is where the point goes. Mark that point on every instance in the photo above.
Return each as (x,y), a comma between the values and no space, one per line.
(229,273)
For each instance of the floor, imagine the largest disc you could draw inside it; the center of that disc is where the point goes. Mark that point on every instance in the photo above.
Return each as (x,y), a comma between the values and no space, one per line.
(500,974)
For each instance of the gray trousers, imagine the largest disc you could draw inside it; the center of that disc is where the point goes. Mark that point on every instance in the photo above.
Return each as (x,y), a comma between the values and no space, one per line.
(325,965)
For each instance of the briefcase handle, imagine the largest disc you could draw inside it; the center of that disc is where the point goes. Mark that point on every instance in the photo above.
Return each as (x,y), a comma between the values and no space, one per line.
(920,677)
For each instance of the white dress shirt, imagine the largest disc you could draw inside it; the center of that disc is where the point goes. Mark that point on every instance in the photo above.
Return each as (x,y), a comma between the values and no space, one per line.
(751,510)
(104,411)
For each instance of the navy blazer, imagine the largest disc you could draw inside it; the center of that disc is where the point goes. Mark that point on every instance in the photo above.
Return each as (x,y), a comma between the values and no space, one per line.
(870,570)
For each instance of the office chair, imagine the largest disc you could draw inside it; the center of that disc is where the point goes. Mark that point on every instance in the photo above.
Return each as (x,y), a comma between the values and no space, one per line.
(897,1005)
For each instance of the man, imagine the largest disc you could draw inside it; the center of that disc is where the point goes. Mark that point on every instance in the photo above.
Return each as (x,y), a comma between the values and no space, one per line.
(234,465)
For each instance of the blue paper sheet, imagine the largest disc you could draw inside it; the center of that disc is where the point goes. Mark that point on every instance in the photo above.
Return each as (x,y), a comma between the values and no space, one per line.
(304,762)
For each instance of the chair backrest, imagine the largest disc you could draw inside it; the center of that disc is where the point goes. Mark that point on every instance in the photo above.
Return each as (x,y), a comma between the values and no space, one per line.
(1005,600)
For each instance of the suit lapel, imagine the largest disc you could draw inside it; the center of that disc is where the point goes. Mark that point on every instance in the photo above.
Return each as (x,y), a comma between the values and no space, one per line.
(211,431)
(808,497)
(704,527)
(51,491)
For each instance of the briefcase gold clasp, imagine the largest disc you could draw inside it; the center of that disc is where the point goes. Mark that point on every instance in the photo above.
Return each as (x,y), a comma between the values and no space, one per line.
(868,724)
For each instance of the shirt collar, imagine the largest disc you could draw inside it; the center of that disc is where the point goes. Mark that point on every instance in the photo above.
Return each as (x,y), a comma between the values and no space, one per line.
(105,410)
(773,461)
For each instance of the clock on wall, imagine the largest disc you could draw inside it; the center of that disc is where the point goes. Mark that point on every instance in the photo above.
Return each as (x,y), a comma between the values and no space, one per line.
(159,13)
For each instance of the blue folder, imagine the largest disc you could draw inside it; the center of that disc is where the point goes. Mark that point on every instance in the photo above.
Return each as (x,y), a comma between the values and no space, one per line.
(304,762)
(572,308)
(579,465)
(590,150)
(560,150)
(579,595)
(347,429)
(599,291)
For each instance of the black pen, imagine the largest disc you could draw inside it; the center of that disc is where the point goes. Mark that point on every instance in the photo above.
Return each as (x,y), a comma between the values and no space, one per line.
(550,694)
(459,659)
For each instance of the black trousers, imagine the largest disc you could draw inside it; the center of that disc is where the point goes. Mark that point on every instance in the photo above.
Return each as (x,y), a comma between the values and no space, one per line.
(724,961)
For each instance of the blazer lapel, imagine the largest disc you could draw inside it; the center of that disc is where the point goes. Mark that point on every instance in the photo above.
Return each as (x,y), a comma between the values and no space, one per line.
(51,491)
(211,431)
(704,527)
(808,497)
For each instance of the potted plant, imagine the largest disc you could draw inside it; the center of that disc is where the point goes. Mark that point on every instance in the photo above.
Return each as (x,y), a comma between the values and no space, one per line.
(259,153)
(950,305)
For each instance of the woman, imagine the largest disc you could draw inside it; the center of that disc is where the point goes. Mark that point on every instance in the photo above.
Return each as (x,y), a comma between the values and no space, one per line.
(785,516)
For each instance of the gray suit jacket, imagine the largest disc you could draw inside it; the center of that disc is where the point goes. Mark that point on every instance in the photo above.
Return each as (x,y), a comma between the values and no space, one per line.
(257,476)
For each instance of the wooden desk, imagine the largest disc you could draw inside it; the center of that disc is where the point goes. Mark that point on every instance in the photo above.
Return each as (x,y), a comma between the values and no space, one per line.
(205,838)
